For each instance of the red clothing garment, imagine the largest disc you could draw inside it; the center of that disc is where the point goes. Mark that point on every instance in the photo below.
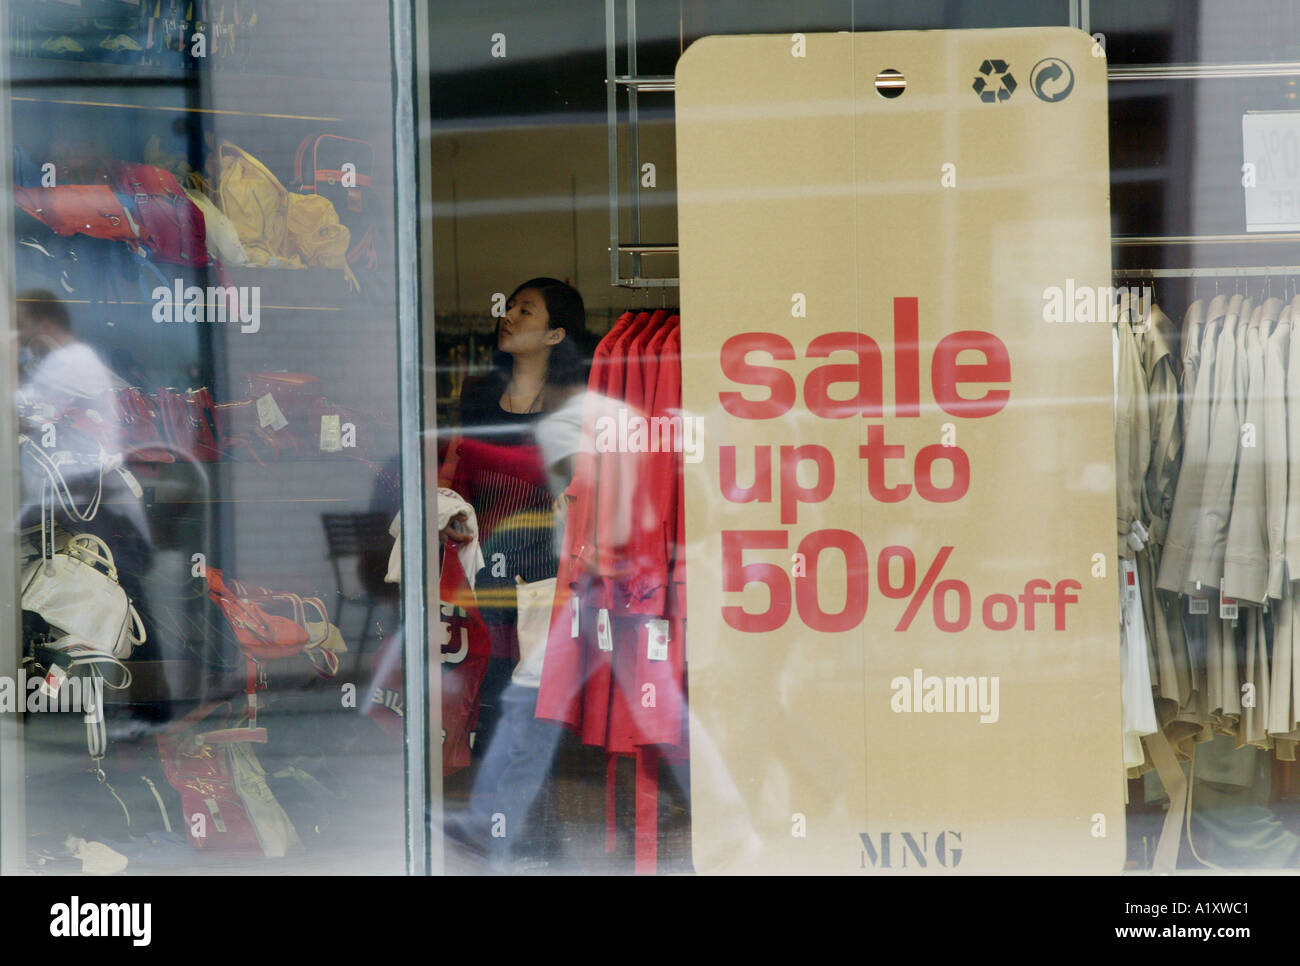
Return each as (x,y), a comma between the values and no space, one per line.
(477,459)
(624,697)
(643,587)
(559,698)
(464,654)
(613,508)
(465,651)
(581,494)
(624,565)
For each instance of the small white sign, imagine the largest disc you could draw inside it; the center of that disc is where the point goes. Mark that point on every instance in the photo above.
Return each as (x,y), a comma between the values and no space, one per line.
(1271,170)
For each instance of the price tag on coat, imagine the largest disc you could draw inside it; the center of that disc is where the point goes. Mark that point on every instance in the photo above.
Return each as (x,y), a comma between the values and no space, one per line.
(269,414)
(1227,605)
(604,636)
(657,640)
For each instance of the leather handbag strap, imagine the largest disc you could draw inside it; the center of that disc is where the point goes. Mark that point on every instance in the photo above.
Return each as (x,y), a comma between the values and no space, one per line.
(196,715)
(59,484)
(92,551)
(230,736)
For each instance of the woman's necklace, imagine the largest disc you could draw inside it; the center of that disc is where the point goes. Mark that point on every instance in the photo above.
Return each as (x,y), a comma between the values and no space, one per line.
(512,403)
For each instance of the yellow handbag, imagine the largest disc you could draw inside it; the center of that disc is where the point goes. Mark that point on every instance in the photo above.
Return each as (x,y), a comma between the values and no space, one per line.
(316,234)
(256,204)
(277,228)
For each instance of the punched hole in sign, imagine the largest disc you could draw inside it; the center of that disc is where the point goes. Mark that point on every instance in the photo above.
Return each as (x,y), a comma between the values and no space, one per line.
(890,83)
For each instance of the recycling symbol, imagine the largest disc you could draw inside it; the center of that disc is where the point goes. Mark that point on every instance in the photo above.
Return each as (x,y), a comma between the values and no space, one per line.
(994,82)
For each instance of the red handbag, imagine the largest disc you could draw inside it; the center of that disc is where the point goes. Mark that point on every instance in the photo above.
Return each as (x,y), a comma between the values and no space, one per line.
(195,764)
(74,209)
(238,432)
(293,393)
(187,423)
(266,635)
(176,232)
(199,406)
(261,634)
(227,803)
(142,432)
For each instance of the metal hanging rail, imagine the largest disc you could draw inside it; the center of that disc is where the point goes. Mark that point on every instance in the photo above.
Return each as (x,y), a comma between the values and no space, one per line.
(1137,72)
(1080,16)
(1239,271)
(1257,237)
(666,83)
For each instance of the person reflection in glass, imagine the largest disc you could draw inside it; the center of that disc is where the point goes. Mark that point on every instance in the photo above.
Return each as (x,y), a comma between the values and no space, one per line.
(67,407)
(519,429)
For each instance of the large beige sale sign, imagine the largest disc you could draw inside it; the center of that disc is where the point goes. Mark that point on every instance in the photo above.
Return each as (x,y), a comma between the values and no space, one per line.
(903,645)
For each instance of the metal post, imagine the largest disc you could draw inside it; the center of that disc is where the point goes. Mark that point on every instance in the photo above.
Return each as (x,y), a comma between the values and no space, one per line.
(414,207)
(13,805)
(611,113)
(634,135)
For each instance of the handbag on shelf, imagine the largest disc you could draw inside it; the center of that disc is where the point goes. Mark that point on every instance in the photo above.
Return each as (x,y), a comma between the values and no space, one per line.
(265,635)
(257,205)
(283,404)
(142,436)
(319,168)
(277,228)
(171,226)
(240,432)
(187,422)
(74,209)
(226,802)
(76,591)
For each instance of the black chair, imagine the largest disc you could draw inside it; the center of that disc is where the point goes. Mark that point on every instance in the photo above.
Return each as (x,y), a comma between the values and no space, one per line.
(365,537)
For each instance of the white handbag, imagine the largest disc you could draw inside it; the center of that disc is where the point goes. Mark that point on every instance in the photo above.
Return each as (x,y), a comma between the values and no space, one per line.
(75,590)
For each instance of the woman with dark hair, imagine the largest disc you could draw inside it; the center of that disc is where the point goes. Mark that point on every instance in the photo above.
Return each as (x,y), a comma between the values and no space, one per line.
(517,433)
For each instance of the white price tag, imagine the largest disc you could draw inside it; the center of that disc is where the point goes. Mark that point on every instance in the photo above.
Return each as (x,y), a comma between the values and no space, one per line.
(604,634)
(575,608)
(269,413)
(215,810)
(1227,606)
(330,439)
(1129,572)
(53,681)
(1198,604)
(657,640)
(1270,174)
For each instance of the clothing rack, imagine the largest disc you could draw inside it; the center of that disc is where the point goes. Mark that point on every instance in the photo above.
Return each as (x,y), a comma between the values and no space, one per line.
(1240,271)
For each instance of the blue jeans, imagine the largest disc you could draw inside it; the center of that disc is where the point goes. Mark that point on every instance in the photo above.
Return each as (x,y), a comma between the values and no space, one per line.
(517,762)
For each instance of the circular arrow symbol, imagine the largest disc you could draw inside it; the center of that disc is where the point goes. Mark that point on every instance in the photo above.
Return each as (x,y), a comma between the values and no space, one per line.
(1051,80)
